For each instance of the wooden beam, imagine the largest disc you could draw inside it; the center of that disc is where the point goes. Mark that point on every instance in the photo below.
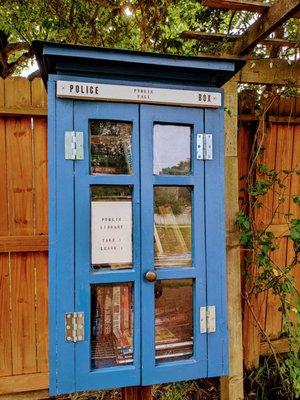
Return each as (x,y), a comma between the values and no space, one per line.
(232,386)
(34,395)
(280,346)
(219,37)
(137,393)
(272,119)
(270,71)
(24,383)
(277,14)
(238,5)
(208,37)
(23,243)
(30,111)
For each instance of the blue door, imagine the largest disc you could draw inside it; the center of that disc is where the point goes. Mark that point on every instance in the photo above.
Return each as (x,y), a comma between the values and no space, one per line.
(107,246)
(140,246)
(172,245)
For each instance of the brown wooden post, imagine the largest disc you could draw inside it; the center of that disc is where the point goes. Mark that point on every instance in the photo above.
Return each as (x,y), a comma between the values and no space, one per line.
(137,393)
(232,386)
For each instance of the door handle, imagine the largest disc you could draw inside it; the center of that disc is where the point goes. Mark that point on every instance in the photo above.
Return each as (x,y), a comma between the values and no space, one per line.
(151,276)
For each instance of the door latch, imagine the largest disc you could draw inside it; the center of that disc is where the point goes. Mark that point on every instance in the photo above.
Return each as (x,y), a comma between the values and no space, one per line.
(73,145)
(208,319)
(74,327)
(204,146)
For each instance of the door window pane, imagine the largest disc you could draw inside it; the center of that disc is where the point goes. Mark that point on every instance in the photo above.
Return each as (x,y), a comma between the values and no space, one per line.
(172,226)
(111,227)
(173,319)
(171,150)
(111,325)
(110,147)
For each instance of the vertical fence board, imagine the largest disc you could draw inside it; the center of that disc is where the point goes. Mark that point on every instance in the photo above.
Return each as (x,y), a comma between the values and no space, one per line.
(244,143)
(41,262)
(284,154)
(263,215)
(20,175)
(38,93)
(273,316)
(17,93)
(3,182)
(5,318)
(287,106)
(2,92)
(40,175)
(294,210)
(295,181)
(23,313)
(296,275)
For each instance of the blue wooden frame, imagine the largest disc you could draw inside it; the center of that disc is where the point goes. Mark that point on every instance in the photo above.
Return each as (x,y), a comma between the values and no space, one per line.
(197,365)
(61,244)
(216,249)
(125,375)
(64,376)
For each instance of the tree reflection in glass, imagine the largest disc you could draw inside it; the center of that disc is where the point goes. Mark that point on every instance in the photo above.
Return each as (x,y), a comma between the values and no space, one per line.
(171,150)
(172,226)
(110,147)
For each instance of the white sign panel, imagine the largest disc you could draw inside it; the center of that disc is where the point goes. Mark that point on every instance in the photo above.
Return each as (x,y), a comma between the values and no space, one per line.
(111,232)
(137,94)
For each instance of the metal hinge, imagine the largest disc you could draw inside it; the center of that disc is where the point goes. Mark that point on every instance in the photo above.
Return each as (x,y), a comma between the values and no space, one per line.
(204,146)
(73,145)
(208,319)
(74,327)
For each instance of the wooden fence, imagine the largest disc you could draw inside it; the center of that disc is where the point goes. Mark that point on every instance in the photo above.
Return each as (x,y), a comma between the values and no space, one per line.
(24,241)
(23,236)
(282,152)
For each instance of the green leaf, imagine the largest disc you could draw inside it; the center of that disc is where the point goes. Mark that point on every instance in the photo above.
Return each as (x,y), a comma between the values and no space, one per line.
(296,199)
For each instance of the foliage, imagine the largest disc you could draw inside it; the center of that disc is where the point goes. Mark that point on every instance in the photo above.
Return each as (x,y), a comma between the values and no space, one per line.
(263,273)
(265,382)
(152,25)
(204,389)
(178,199)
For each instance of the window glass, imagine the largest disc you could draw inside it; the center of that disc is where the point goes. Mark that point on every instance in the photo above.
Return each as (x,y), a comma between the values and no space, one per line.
(111,325)
(171,150)
(110,147)
(172,226)
(111,227)
(173,319)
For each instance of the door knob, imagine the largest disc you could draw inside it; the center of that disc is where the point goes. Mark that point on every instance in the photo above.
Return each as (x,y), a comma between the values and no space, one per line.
(151,276)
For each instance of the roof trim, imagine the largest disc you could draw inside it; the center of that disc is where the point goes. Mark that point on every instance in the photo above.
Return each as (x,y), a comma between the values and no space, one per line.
(54,57)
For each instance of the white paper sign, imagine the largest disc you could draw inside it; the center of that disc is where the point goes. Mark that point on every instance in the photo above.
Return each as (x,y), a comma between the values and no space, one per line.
(137,94)
(111,232)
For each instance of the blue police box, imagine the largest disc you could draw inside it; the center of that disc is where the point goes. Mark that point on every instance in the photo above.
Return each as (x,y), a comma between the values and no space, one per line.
(137,270)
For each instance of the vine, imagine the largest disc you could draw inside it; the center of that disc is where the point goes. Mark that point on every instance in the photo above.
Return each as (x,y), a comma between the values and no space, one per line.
(260,244)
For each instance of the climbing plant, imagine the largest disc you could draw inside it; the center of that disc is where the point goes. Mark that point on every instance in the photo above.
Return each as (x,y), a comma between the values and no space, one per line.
(261,272)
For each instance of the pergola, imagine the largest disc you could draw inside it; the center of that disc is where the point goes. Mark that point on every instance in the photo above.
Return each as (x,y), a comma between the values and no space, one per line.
(272,16)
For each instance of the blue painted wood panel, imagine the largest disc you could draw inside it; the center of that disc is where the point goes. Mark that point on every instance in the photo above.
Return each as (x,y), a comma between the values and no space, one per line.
(197,365)
(71,275)
(215,244)
(61,245)
(118,376)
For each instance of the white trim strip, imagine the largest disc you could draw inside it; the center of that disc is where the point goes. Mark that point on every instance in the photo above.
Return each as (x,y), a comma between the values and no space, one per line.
(137,94)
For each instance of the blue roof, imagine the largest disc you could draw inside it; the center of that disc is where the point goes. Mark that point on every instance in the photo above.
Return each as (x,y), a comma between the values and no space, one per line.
(67,59)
